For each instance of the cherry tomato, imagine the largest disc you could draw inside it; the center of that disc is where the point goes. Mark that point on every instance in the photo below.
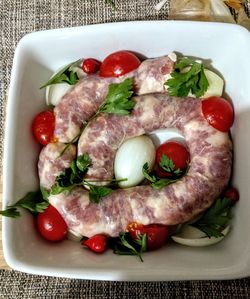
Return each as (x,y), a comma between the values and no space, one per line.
(43,127)
(119,63)
(135,228)
(218,112)
(97,243)
(176,152)
(91,65)
(233,194)
(157,234)
(51,225)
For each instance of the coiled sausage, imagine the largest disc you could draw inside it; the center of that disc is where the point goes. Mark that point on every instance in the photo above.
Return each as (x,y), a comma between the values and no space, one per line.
(209,172)
(79,104)
(52,162)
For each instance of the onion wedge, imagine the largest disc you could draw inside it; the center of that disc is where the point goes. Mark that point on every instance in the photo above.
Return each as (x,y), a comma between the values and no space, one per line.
(193,237)
(55,92)
(216,84)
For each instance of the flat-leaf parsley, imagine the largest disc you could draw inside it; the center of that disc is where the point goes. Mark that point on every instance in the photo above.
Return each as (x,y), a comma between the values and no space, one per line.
(188,76)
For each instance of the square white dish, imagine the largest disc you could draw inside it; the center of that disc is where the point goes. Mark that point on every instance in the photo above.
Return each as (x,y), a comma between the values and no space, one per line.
(36,57)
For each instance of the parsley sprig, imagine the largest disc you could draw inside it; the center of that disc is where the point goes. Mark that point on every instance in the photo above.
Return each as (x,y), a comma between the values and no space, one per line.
(169,166)
(73,177)
(118,100)
(188,76)
(216,218)
(97,192)
(73,140)
(156,182)
(125,245)
(65,75)
(166,164)
(34,202)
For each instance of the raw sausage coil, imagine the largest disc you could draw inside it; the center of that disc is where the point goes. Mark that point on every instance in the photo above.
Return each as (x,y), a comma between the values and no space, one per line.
(78,105)
(209,172)
(52,162)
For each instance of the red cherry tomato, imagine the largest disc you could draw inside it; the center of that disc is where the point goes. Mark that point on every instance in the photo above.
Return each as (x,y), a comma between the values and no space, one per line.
(91,66)
(51,225)
(97,243)
(218,112)
(233,194)
(157,234)
(43,127)
(134,229)
(175,151)
(119,63)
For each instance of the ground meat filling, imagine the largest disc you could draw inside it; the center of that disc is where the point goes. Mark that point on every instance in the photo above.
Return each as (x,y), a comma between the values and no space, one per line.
(53,160)
(79,104)
(209,172)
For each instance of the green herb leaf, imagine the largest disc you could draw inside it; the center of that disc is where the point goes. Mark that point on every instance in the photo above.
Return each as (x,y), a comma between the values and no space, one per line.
(32,201)
(210,231)
(72,176)
(216,218)
(10,212)
(188,76)
(83,162)
(97,192)
(156,183)
(168,165)
(118,100)
(73,78)
(150,177)
(73,140)
(142,241)
(45,193)
(68,178)
(127,246)
(57,189)
(160,183)
(65,75)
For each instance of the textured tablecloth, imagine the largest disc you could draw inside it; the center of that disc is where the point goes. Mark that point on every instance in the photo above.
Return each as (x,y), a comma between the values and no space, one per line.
(18,18)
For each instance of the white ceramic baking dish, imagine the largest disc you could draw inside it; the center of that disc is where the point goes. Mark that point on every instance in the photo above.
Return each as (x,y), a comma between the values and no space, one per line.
(225,46)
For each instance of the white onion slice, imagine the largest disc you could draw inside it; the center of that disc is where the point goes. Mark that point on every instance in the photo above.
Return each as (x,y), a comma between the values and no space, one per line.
(190,232)
(55,92)
(216,84)
(190,238)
